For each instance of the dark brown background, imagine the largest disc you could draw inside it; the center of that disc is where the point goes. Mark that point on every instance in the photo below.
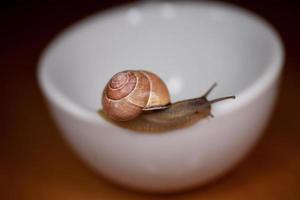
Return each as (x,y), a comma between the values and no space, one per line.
(35,163)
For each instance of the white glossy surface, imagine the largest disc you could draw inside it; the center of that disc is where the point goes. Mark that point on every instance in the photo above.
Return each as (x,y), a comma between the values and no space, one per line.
(191,46)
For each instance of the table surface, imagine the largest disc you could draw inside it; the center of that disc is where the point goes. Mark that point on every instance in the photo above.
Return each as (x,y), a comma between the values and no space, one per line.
(36,163)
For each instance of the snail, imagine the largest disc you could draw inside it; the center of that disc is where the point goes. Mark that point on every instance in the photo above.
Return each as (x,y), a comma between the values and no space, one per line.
(139,100)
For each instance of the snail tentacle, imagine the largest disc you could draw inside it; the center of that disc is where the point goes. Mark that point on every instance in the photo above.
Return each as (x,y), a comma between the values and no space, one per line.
(209,90)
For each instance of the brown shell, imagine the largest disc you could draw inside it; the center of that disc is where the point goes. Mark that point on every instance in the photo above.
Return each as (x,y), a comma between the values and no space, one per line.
(159,93)
(130,92)
(120,85)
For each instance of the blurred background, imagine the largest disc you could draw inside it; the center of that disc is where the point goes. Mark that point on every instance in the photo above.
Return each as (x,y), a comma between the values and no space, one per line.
(35,162)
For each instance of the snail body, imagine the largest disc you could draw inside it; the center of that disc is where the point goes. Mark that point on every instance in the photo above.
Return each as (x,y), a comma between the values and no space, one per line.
(159,116)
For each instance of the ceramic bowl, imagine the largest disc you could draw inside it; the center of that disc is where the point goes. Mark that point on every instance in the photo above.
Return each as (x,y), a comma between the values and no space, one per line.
(190,45)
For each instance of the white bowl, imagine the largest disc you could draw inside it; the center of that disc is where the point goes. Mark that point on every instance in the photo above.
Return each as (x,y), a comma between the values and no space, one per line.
(190,45)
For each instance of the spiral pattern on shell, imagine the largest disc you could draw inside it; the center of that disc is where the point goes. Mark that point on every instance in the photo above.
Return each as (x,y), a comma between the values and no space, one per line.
(130,92)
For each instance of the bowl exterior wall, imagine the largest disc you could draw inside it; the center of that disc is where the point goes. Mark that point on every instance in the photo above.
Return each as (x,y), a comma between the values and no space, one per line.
(169,161)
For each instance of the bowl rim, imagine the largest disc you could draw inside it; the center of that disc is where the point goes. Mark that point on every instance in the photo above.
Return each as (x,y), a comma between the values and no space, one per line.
(56,97)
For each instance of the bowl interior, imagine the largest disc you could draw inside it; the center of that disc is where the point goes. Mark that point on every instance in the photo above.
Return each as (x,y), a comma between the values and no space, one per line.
(189,45)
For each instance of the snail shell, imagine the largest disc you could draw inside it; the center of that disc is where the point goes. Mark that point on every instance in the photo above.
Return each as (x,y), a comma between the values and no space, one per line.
(129,93)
